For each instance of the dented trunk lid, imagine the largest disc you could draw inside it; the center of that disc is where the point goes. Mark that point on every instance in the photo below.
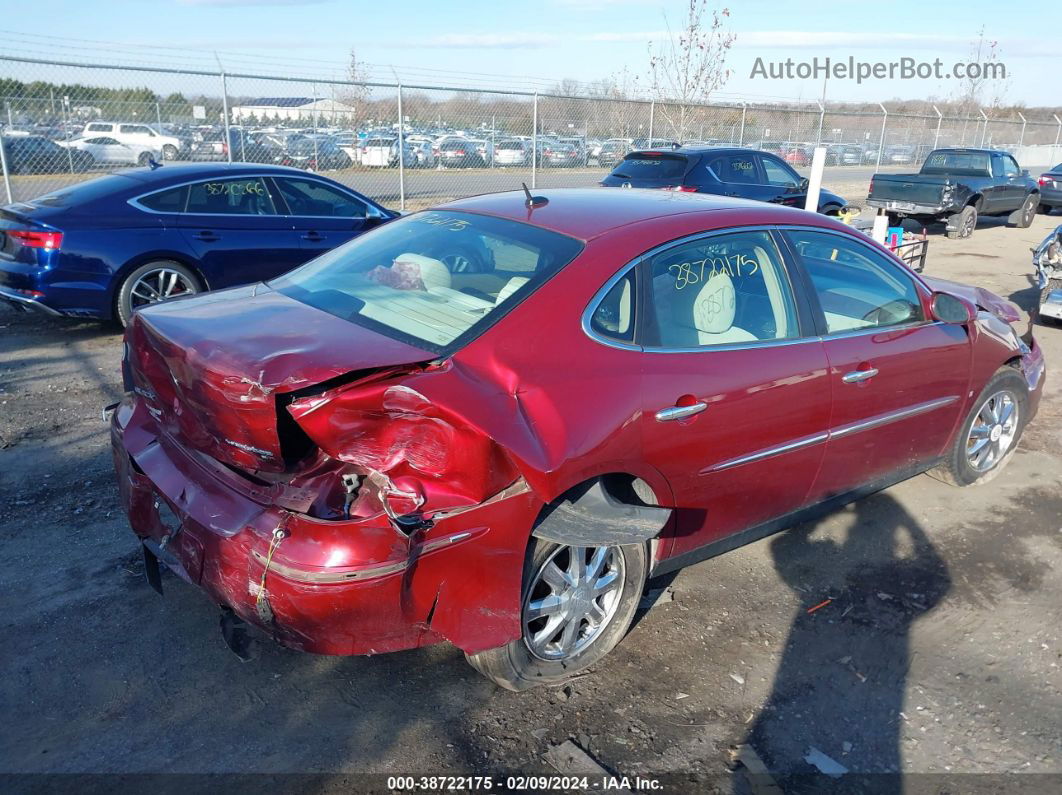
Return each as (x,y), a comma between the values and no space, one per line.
(215,370)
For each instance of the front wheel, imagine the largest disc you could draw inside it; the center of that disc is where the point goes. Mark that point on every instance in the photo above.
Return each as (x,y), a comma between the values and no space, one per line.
(578,603)
(169,152)
(989,436)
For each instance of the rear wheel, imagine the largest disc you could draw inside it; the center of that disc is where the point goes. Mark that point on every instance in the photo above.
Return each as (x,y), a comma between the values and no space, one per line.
(578,602)
(169,152)
(144,159)
(153,283)
(962,224)
(989,436)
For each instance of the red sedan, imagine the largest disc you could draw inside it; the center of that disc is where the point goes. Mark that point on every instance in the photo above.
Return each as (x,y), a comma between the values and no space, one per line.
(378,452)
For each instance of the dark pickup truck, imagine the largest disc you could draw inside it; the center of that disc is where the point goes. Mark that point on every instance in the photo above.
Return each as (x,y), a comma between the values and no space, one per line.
(957,185)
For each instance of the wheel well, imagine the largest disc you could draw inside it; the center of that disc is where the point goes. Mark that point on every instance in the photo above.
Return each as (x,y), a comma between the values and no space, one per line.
(614,508)
(132,265)
(975,202)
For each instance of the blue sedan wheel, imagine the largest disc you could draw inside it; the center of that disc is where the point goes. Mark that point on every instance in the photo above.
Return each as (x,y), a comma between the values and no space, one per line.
(153,283)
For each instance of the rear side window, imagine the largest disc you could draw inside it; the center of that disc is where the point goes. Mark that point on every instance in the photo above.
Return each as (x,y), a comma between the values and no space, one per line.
(166,201)
(740,168)
(642,166)
(721,290)
(247,196)
(99,127)
(969,163)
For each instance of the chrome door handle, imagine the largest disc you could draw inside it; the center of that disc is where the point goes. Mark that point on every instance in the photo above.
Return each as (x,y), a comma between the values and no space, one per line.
(680,412)
(856,376)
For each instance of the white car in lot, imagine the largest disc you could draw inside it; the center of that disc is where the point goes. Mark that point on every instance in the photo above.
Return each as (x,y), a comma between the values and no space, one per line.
(171,146)
(382,152)
(107,151)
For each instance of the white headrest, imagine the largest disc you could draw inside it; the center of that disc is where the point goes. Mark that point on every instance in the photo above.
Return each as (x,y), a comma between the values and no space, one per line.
(432,271)
(713,311)
(510,287)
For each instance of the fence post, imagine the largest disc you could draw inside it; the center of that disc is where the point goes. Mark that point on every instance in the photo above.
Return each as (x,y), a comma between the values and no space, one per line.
(66,135)
(1058,132)
(881,143)
(652,118)
(3,165)
(741,136)
(316,155)
(1021,138)
(493,130)
(534,141)
(225,110)
(936,135)
(822,119)
(984,130)
(401,153)
(158,116)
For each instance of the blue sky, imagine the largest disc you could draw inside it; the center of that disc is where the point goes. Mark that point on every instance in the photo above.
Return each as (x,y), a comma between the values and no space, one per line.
(544,41)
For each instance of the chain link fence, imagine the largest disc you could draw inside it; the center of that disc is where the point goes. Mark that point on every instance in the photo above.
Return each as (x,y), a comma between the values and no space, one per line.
(411,146)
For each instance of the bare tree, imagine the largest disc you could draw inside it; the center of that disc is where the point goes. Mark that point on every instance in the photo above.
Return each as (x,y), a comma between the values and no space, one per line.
(686,68)
(986,90)
(356,93)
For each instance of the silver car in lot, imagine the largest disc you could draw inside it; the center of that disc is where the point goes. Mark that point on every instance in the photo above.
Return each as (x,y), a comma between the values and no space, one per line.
(1047,259)
(512,152)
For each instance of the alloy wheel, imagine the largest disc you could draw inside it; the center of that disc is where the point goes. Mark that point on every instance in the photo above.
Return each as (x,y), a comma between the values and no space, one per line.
(993,431)
(573,597)
(158,285)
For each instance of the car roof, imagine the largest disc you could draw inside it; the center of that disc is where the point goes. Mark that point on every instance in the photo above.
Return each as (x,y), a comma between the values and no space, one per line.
(190,171)
(971,149)
(586,213)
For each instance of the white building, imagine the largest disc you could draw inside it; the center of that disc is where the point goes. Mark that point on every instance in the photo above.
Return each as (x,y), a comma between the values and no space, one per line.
(326,111)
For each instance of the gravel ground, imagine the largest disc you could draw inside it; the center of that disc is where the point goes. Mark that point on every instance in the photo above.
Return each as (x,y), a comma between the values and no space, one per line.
(940,652)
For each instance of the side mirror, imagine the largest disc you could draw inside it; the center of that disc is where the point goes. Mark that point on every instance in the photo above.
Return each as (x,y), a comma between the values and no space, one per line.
(804,183)
(948,308)
(1025,172)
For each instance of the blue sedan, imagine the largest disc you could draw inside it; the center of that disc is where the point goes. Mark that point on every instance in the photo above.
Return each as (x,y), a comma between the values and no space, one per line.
(105,247)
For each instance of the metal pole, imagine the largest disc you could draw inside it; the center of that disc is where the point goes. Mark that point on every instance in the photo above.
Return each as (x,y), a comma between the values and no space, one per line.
(881,143)
(534,141)
(493,125)
(822,115)
(66,131)
(316,161)
(652,119)
(225,110)
(936,136)
(3,166)
(158,116)
(984,131)
(1021,140)
(401,153)
(741,137)
(1058,132)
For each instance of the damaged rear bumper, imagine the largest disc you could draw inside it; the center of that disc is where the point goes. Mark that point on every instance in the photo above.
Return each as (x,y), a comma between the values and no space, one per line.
(329,587)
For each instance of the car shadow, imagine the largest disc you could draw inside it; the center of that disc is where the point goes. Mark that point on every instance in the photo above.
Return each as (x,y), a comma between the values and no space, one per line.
(841,683)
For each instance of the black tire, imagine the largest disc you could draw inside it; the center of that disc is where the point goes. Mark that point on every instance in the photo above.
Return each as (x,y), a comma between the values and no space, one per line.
(1045,209)
(514,667)
(962,224)
(956,468)
(144,159)
(124,301)
(169,152)
(1022,218)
